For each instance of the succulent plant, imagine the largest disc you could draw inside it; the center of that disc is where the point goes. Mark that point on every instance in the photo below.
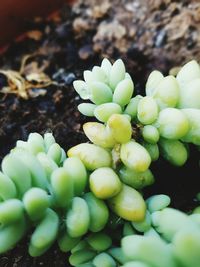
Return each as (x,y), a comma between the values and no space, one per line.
(90,198)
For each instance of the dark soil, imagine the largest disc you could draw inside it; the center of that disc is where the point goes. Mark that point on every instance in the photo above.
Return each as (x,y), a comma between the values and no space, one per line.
(75,40)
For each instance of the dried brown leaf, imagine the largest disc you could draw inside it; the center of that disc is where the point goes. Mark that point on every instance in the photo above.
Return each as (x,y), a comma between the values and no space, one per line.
(16,84)
(30,81)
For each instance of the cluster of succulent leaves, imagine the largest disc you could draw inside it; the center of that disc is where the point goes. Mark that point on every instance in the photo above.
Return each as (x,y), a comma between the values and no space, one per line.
(163,122)
(90,201)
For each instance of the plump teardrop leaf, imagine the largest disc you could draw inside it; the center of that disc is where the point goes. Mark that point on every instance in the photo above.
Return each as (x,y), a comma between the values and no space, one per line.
(104,111)
(123,92)
(82,89)
(36,201)
(106,66)
(78,218)
(92,156)
(45,233)
(62,187)
(128,204)
(120,128)
(100,93)
(87,109)
(11,211)
(153,81)
(167,92)
(131,108)
(77,173)
(174,151)
(98,212)
(148,249)
(135,156)
(104,183)
(104,259)
(99,74)
(7,187)
(172,123)
(190,95)
(193,134)
(150,134)
(137,180)
(117,73)
(147,110)
(158,202)
(99,241)
(188,72)
(98,134)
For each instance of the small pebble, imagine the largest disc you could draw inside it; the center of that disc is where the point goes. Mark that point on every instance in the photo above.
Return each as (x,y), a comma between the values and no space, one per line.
(85,52)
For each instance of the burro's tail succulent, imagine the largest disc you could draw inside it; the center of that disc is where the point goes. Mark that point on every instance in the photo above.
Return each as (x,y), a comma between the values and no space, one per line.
(89,199)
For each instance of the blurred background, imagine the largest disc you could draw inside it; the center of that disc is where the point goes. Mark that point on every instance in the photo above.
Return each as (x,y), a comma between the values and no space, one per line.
(158,29)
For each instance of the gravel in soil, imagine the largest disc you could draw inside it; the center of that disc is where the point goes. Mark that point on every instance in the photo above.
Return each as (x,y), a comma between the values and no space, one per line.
(144,34)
